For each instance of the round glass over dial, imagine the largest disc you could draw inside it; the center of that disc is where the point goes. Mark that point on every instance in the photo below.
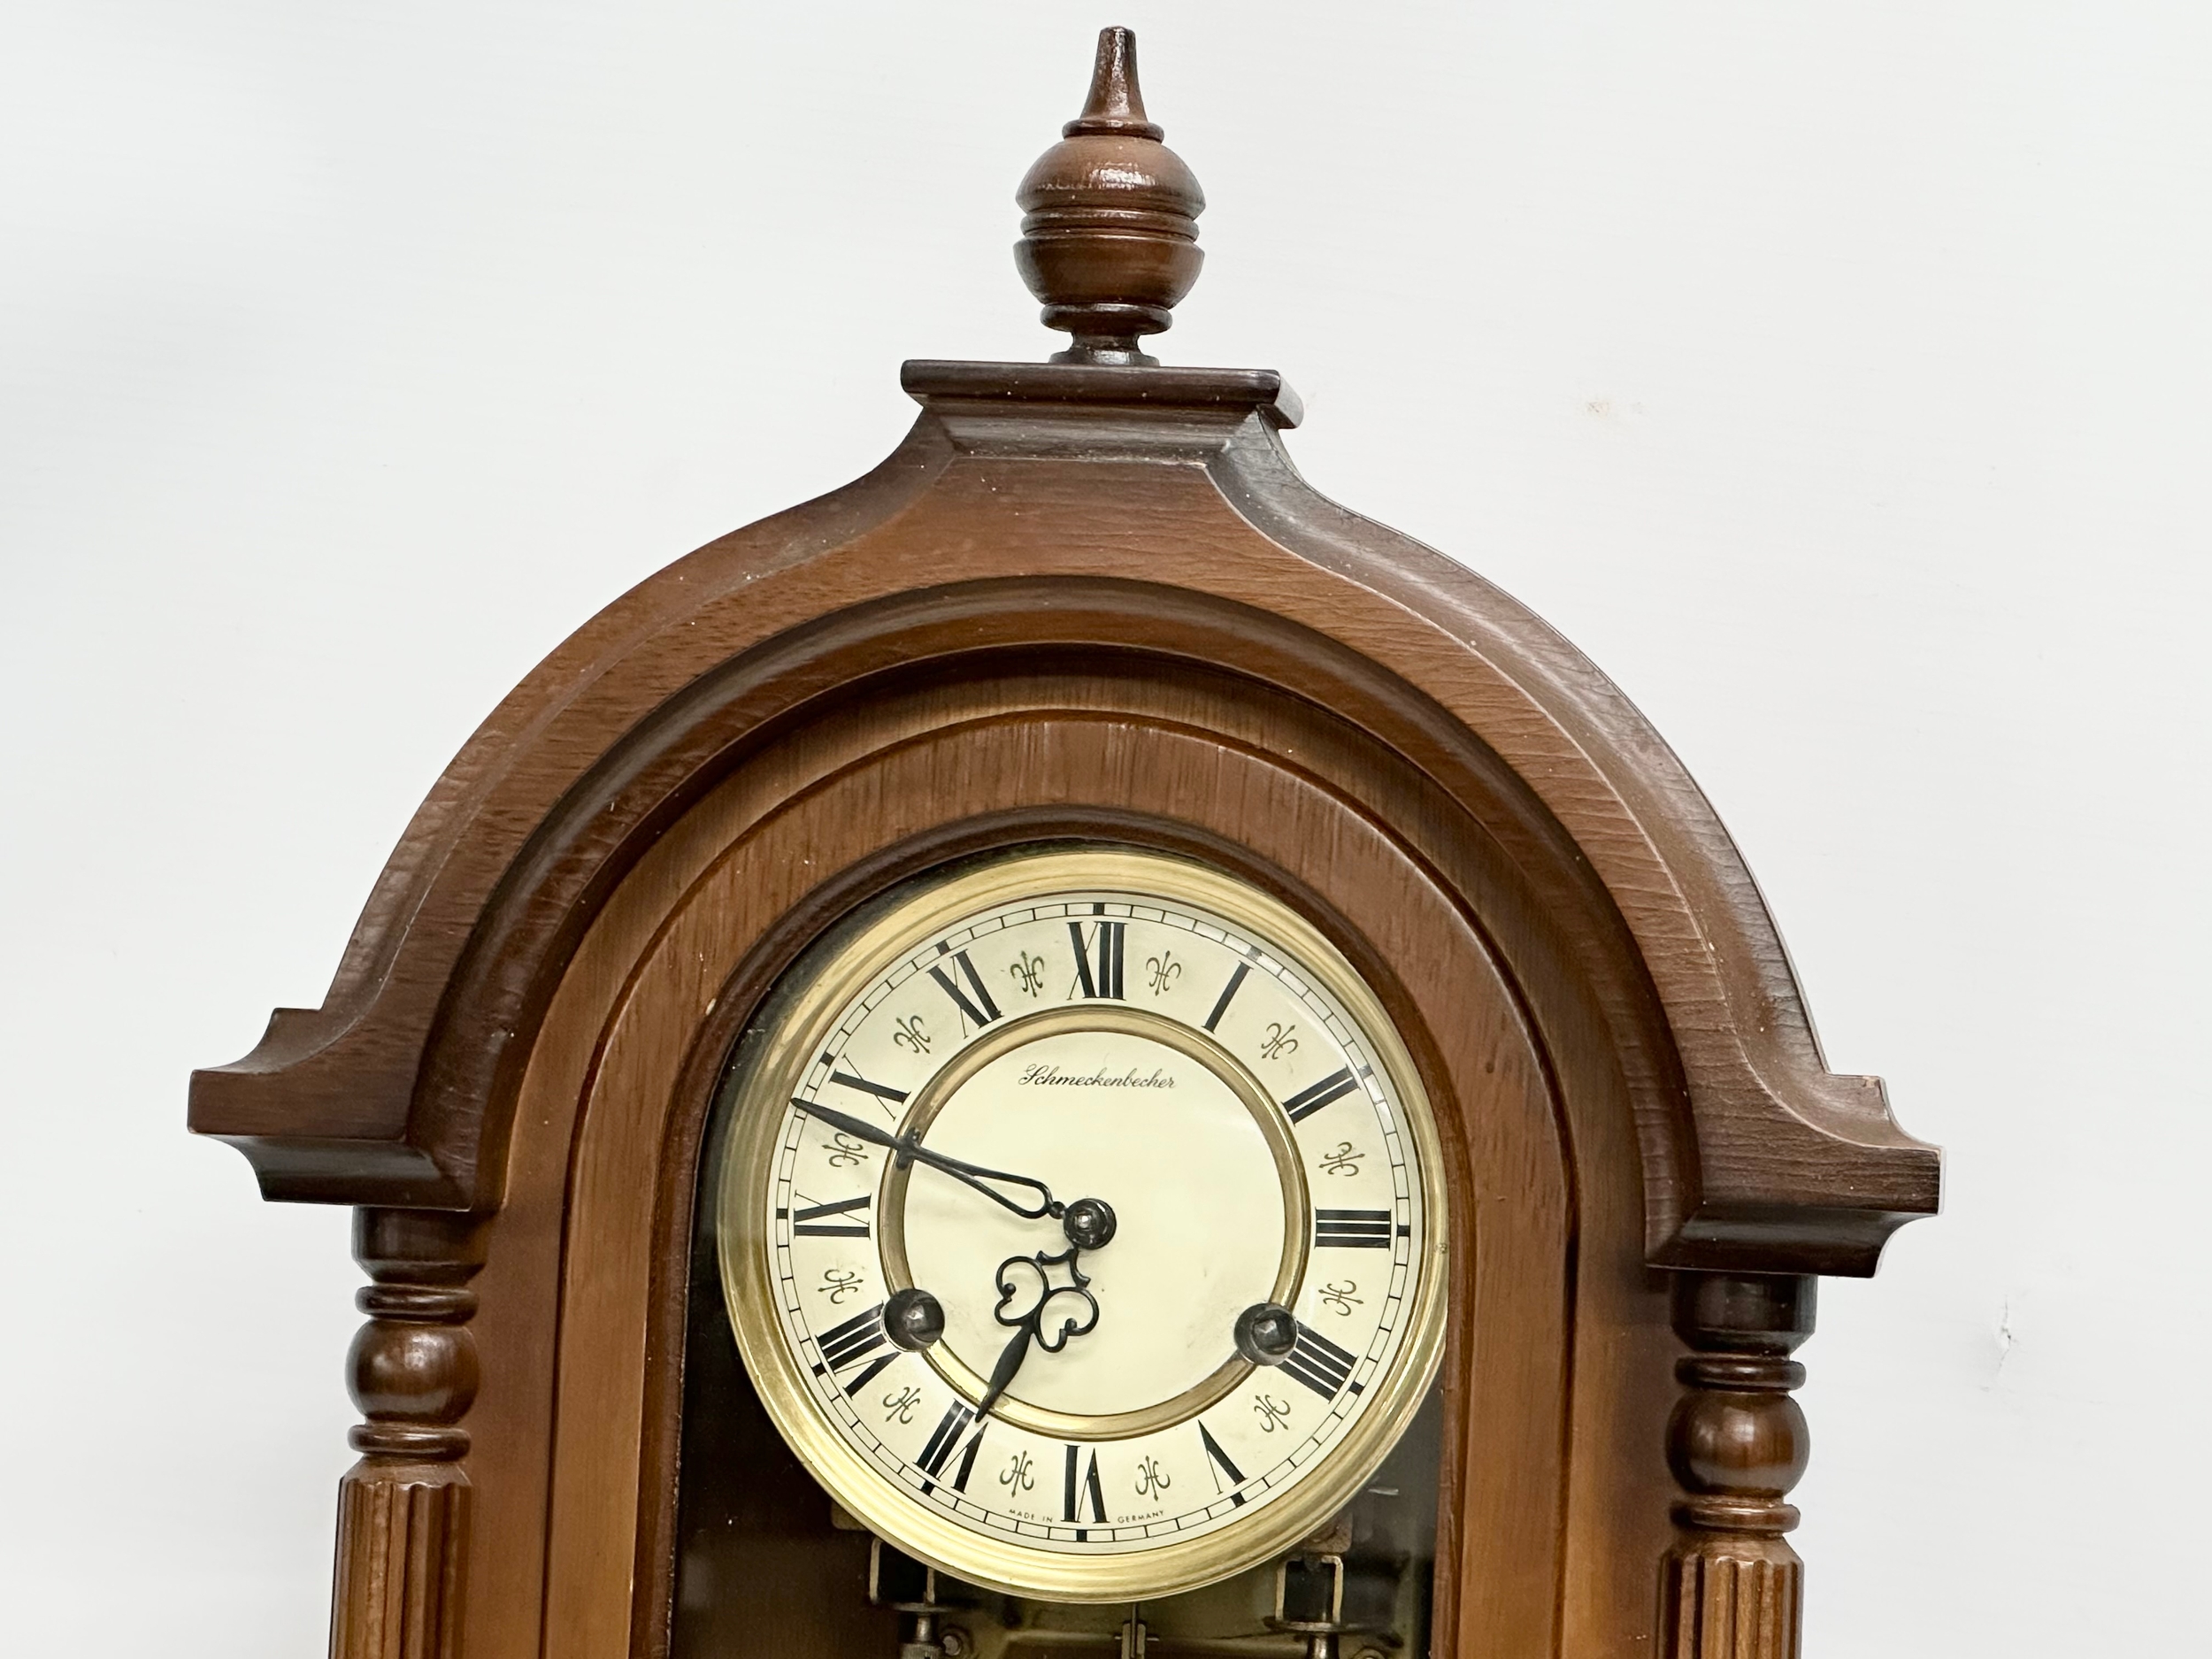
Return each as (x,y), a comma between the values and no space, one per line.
(1082,1224)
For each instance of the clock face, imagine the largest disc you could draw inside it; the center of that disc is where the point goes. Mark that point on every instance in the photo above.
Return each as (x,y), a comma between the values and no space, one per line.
(1082,1223)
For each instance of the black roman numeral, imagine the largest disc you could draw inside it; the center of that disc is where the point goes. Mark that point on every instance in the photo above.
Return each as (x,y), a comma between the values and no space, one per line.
(982,1010)
(1319,1362)
(1078,1489)
(946,1436)
(1222,1466)
(1352,1229)
(1098,960)
(1221,1005)
(967,1458)
(808,1223)
(1313,1098)
(843,1343)
(855,1339)
(881,1091)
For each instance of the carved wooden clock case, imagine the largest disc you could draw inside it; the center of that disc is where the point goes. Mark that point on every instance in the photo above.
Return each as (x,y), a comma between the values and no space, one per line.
(1076,801)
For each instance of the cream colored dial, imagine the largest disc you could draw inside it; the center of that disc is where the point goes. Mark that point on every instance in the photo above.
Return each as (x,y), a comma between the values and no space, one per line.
(1082,1224)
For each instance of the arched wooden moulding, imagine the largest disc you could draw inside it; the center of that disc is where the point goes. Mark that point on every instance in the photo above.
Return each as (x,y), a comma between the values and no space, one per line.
(1093,599)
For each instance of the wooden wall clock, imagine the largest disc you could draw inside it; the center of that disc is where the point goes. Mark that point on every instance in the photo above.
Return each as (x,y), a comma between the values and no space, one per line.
(1072,1049)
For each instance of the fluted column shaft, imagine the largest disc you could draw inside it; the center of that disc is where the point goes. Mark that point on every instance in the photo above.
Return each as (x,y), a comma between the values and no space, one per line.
(403,1509)
(1737,1443)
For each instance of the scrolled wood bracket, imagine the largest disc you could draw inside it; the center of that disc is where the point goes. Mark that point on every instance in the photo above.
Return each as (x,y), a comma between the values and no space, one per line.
(403,1509)
(1733,1587)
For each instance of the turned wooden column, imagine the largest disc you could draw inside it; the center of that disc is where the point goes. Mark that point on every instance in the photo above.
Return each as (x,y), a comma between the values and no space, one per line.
(1737,1443)
(403,1509)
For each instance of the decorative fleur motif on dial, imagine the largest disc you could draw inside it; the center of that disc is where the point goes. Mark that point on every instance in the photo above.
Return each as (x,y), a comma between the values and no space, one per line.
(839,1282)
(1343,1161)
(910,1034)
(845,1152)
(1016,1476)
(1339,1298)
(900,1407)
(1162,971)
(1272,1413)
(1279,1043)
(1028,973)
(1151,1478)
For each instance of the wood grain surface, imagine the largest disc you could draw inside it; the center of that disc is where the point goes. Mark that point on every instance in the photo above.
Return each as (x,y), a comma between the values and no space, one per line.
(961,769)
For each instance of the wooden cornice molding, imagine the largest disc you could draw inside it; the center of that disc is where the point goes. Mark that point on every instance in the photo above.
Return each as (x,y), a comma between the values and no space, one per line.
(1079,508)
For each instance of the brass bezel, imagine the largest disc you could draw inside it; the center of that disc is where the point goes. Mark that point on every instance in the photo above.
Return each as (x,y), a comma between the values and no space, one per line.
(806,1007)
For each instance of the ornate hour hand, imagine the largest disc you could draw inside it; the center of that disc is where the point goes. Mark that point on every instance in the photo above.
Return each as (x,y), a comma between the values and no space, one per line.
(1070,1305)
(1089,1222)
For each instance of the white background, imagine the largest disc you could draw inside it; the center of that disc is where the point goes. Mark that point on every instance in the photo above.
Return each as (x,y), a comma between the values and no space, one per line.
(1838,377)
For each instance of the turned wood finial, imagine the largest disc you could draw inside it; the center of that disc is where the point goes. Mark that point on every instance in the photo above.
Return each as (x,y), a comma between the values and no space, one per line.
(1110,240)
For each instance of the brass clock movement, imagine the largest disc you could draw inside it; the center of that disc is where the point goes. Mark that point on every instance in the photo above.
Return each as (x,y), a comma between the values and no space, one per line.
(1072,1049)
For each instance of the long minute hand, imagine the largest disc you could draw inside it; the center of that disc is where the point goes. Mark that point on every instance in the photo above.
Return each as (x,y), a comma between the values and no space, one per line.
(909,1150)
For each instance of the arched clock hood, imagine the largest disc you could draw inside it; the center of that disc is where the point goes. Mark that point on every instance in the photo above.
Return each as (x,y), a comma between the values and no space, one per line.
(982,540)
